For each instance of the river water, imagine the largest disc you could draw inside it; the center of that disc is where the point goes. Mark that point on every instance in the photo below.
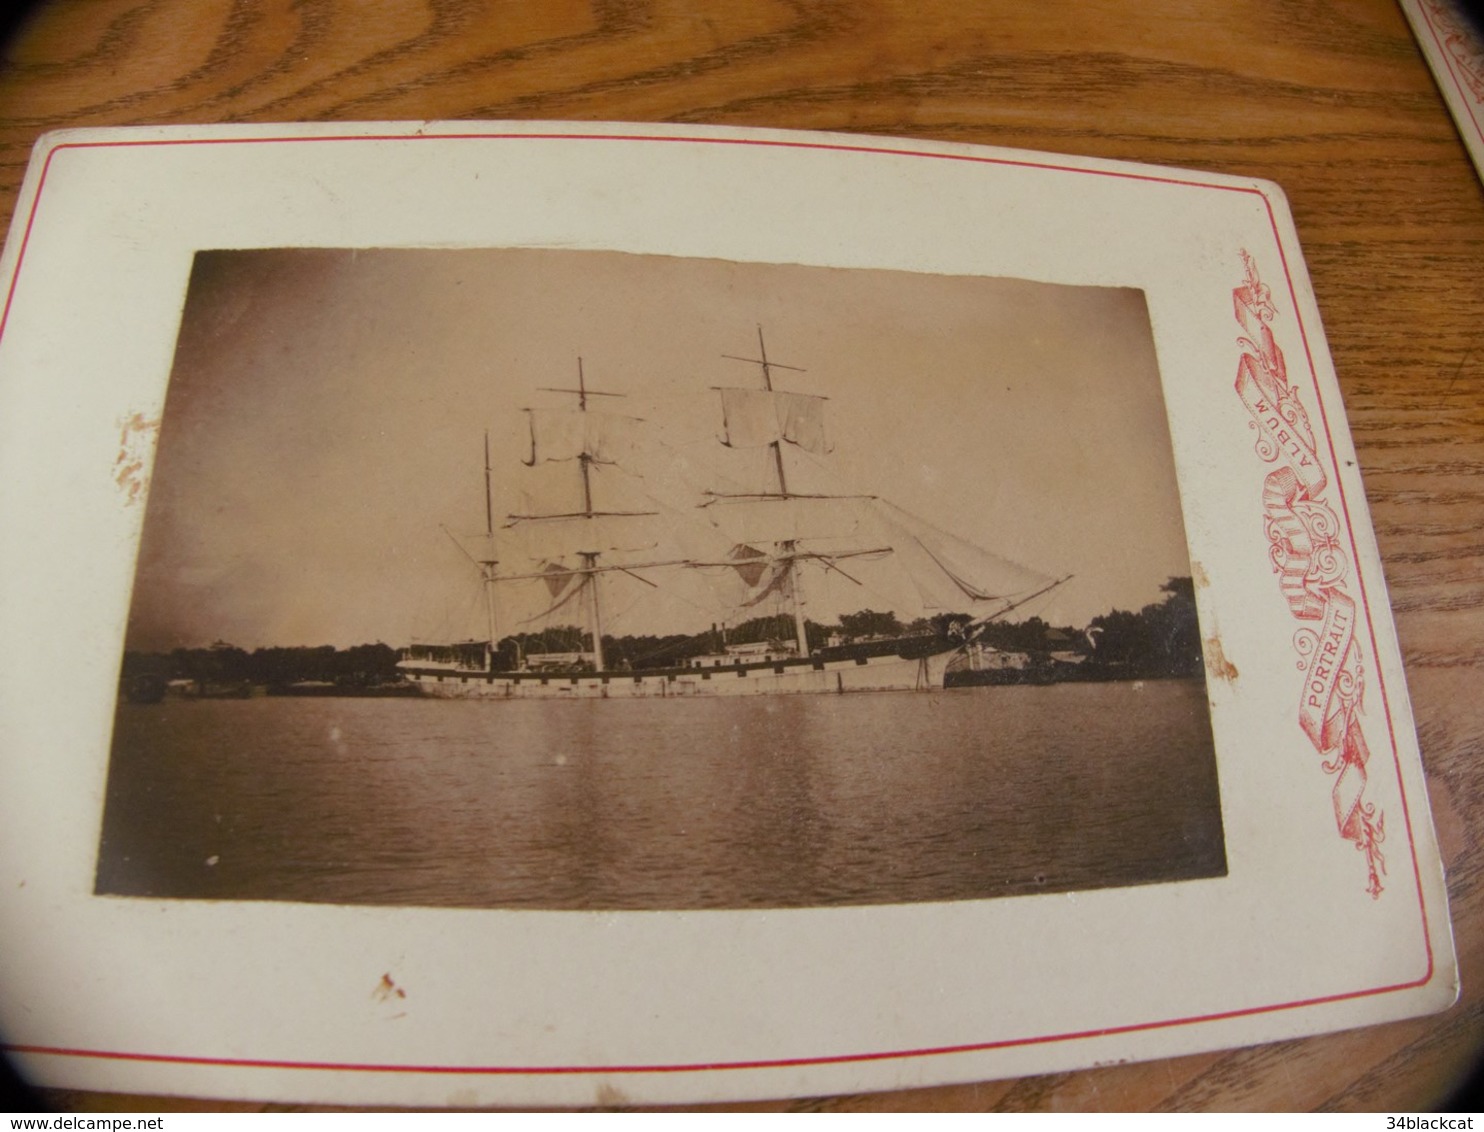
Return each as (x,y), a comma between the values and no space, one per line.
(744,802)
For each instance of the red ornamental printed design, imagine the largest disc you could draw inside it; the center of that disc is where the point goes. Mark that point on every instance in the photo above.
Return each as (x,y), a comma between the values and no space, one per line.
(1303,536)
(1460,45)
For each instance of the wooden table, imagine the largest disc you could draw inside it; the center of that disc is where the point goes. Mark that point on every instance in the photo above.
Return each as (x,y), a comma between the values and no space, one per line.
(1331,100)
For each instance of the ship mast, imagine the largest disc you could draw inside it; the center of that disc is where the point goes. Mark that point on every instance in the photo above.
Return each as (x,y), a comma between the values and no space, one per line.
(789,547)
(590,568)
(489,566)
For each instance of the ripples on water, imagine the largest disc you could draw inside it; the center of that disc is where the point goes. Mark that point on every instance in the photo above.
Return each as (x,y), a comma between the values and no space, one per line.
(707,803)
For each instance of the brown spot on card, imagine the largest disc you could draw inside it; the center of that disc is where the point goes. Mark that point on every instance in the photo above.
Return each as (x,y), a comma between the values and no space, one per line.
(1217,666)
(387,989)
(136,434)
(609,1095)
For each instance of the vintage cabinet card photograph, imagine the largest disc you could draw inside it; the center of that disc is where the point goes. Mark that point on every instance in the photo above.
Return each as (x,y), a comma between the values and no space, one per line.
(543,614)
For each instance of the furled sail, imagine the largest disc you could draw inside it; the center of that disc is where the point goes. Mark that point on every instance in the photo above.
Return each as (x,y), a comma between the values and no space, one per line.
(558,580)
(754,418)
(750,563)
(566,434)
(562,585)
(761,576)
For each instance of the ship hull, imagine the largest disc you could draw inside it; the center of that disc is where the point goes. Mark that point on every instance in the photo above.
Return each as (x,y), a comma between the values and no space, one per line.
(788,677)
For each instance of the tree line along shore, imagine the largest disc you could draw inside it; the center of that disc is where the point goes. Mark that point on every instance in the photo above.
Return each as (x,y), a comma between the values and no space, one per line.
(1159,641)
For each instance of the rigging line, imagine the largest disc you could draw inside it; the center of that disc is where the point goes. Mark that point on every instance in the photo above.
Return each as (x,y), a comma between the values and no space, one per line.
(652,653)
(764,496)
(460,545)
(759,362)
(586,570)
(617,614)
(631,483)
(828,565)
(663,648)
(930,525)
(677,595)
(617,618)
(640,577)
(456,615)
(572,592)
(819,465)
(814,457)
(513,519)
(774,589)
(744,467)
(771,365)
(489,511)
(760,558)
(890,601)
(969,590)
(658,441)
(1028,598)
(1039,604)
(877,551)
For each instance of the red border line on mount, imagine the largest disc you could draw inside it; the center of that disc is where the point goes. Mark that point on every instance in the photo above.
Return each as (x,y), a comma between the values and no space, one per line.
(777,1063)
(1451,65)
(694,139)
(836,1059)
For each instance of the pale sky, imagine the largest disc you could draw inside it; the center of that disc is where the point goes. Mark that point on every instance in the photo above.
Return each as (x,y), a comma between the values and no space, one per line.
(327,410)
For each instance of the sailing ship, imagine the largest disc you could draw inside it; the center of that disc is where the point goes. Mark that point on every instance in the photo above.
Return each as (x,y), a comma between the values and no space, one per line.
(772,545)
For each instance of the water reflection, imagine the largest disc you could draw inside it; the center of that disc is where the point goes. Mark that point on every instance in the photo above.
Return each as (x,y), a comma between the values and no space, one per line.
(713,803)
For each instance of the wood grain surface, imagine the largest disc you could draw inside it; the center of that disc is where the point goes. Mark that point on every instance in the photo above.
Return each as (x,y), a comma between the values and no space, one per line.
(1330,99)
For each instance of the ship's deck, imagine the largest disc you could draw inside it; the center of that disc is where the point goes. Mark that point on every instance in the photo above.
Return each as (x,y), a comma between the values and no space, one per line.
(826,659)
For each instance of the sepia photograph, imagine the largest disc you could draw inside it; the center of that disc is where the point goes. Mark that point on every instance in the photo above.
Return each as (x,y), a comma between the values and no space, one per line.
(526,613)
(555,579)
